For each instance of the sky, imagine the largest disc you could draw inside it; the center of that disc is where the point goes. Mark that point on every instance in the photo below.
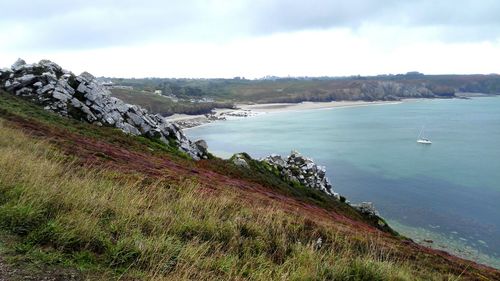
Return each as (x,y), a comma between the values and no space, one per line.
(254,38)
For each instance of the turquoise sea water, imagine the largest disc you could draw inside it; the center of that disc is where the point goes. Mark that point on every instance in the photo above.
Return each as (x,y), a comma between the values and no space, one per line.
(448,192)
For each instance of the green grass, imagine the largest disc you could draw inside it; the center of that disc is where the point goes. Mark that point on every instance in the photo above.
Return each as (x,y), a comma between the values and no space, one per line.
(165,106)
(94,221)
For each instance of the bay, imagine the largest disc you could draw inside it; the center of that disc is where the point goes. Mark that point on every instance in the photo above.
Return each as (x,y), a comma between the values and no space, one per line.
(449,190)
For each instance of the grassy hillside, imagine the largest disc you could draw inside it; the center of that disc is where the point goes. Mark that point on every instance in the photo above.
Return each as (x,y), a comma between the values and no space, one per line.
(165,106)
(104,205)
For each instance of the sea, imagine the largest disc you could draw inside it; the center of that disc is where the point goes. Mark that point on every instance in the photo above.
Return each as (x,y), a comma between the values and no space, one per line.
(445,195)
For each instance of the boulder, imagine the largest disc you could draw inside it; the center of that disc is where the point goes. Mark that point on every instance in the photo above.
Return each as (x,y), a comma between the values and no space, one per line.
(18,65)
(366,208)
(275,160)
(239,160)
(202,145)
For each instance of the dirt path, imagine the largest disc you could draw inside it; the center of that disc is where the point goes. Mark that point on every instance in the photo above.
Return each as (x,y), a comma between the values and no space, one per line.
(11,272)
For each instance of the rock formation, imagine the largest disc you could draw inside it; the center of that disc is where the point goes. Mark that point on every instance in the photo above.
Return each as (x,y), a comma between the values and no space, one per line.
(239,160)
(366,90)
(366,208)
(303,170)
(84,98)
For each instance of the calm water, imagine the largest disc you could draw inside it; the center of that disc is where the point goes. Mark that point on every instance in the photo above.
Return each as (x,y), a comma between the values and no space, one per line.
(448,191)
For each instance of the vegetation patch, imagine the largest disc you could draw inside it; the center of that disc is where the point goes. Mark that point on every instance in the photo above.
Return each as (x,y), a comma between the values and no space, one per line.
(154,230)
(166,106)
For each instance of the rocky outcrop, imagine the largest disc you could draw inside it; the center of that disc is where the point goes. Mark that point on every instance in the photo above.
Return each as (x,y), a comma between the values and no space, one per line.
(365,90)
(297,168)
(239,160)
(390,90)
(82,97)
(301,169)
(366,208)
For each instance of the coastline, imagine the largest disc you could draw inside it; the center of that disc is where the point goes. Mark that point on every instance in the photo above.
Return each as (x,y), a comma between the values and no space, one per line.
(248,110)
(242,110)
(286,107)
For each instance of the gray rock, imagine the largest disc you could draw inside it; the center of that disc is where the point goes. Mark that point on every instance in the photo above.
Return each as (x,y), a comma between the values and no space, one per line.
(82,88)
(146,129)
(318,243)
(87,76)
(122,107)
(201,145)
(76,103)
(276,159)
(91,118)
(366,208)
(26,79)
(50,76)
(129,129)
(240,161)
(24,92)
(18,65)
(112,117)
(134,118)
(51,66)
(60,96)
(46,88)
(185,146)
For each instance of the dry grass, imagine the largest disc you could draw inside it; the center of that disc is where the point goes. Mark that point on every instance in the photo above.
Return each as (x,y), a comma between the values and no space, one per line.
(136,227)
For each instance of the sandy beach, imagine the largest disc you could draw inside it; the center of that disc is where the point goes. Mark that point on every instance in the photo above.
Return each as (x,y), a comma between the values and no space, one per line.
(247,110)
(280,107)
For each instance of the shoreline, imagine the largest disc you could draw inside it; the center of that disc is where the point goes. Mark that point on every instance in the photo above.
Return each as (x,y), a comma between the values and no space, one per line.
(242,110)
(291,107)
(249,110)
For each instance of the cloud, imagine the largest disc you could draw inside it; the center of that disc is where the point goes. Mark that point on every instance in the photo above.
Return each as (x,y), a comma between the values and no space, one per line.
(458,20)
(59,24)
(80,25)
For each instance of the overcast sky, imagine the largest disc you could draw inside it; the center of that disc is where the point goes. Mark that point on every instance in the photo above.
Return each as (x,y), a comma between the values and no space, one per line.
(253,38)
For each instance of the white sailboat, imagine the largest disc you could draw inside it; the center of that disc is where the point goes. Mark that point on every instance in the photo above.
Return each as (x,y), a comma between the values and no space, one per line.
(421,139)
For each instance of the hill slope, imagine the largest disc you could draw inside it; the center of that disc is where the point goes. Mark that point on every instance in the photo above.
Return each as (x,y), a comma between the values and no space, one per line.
(90,198)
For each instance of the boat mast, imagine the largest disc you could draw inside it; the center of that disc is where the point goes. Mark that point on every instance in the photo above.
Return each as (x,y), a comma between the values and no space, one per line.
(420,134)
